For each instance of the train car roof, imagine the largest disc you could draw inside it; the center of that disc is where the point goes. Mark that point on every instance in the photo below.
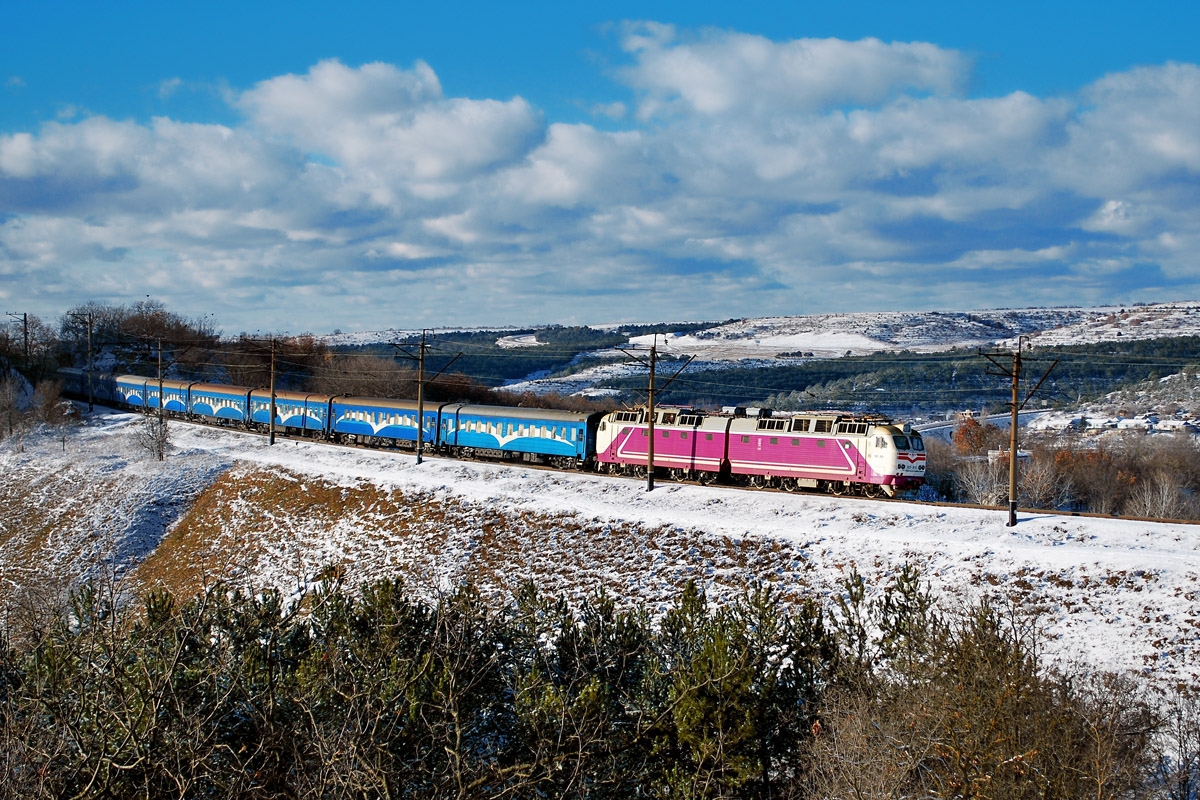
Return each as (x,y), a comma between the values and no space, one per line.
(284,394)
(382,402)
(221,388)
(141,380)
(517,412)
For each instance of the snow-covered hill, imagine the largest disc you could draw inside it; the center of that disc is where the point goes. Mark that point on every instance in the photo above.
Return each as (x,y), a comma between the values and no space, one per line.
(1112,594)
(831,335)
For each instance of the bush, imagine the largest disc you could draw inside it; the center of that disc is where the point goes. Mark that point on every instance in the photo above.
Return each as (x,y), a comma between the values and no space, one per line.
(377,694)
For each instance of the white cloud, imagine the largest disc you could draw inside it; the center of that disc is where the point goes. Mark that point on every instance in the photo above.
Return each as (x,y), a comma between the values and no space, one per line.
(616,110)
(169,87)
(736,73)
(391,123)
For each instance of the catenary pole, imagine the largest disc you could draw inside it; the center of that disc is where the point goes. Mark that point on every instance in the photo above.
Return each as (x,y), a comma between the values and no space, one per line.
(1012,441)
(422,350)
(89,318)
(271,424)
(421,396)
(1017,404)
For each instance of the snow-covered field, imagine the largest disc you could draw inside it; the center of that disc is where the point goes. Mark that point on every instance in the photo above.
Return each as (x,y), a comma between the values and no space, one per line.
(1108,593)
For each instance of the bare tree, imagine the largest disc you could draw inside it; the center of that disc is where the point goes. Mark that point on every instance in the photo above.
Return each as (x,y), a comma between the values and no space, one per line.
(363,375)
(153,435)
(983,482)
(11,390)
(1159,496)
(1043,485)
(48,405)
(1177,748)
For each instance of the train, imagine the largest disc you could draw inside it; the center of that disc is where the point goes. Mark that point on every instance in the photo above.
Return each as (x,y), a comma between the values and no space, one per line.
(827,451)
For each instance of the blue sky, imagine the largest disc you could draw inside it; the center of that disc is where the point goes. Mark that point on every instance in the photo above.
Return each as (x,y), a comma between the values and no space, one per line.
(303,167)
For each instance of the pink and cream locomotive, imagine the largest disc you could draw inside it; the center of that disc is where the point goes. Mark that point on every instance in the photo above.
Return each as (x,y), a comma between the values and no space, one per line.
(828,451)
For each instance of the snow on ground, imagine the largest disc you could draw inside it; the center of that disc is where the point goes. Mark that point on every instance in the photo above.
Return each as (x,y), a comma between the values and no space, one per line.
(771,338)
(1131,322)
(1112,594)
(359,338)
(832,335)
(520,340)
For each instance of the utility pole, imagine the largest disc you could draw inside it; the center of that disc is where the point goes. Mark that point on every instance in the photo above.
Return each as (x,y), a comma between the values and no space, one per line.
(1014,373)
(271,425)
(161,413)
(650,417)
(24,317)
(421,396)
(91,318)
(422,349)
(652,364)
(160,434)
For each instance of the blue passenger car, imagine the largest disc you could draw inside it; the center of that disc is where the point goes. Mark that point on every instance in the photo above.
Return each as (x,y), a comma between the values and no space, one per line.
(132,390)
(102,386)
(74,381)
(305,412)
(219,401)
(175,395)
(532,434)
(363,418)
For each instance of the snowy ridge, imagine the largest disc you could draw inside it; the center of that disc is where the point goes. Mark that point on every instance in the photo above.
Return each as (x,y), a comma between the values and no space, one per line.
(1112,594)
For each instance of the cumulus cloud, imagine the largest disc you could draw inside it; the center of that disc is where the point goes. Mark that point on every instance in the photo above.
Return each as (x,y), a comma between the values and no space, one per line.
(392,123)
(735,73)
(757,177)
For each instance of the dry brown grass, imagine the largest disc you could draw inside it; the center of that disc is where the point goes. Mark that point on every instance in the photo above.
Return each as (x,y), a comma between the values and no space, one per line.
(253,524)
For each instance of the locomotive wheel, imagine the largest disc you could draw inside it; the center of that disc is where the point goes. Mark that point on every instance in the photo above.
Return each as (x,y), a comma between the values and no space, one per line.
(838,488)
(756,481)
(704,477)
(791,485)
